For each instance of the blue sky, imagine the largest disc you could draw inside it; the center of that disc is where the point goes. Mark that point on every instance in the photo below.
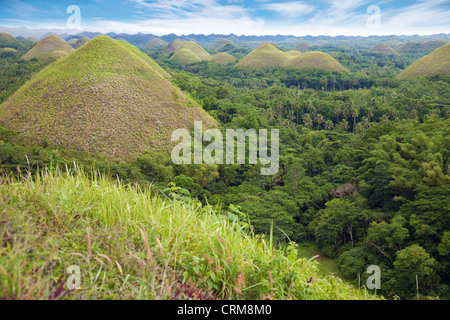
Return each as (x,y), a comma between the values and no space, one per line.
(252,17)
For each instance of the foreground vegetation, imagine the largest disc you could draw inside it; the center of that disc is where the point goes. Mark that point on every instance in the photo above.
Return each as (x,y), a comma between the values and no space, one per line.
(131,244)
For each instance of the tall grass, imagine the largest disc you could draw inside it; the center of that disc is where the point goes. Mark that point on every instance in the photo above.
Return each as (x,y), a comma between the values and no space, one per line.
(135,244)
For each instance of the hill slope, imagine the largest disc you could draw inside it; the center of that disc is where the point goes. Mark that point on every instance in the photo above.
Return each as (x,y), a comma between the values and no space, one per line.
(222,58)
(153,44)
(8,41)
(81,42)
(146,58)
(433,63)
(102,98)
(196,49)
(222,44)
(174,45)
(267,56)
(382,48)
(302,46)
(46,46)
(315,59)
(185,56)
(150,241)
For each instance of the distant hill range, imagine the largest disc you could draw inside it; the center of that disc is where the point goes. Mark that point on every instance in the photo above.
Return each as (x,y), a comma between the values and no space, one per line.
(140,39)
(436,62)
(103,99)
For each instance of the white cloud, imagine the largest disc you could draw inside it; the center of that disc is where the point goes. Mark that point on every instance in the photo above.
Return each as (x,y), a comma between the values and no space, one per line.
(291,9)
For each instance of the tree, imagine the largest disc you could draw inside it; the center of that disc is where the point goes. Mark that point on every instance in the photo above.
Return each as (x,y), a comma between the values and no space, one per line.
(307,121)
(412,261)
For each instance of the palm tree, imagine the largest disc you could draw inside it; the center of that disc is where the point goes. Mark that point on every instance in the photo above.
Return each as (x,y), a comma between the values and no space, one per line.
(333,81)
(344,125)
(355,114)
(319,120)
(337,109)
(370,114)
(307,121)
(329,125)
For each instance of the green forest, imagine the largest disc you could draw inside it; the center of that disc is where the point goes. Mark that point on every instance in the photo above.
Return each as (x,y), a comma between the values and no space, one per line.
(364,160)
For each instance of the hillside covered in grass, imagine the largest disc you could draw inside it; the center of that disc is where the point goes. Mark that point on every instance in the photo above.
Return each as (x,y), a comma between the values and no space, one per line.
(223,57)
(437,62)
(48,46)
(132,244)
(103,98)
(268,56)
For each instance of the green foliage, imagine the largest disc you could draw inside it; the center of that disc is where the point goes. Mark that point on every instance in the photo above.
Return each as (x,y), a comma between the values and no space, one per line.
(165,246)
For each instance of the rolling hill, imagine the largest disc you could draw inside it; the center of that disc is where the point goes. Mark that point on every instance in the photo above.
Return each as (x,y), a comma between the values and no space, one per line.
(302,46)
(153,44)
(188,52)
(196,49)
(174,45)
(81,42)
(46,46)
(185,56)
(101,99)
(72,41)
(222,58)
(267,56)
(382,48)
(223,45)
(8,41)
(436,62)
(420,49)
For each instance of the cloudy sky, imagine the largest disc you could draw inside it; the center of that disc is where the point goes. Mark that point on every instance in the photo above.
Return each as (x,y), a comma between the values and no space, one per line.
(248,17)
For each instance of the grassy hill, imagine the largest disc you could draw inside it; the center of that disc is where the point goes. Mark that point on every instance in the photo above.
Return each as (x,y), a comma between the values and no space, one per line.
(153,44)
(435,62)
(27,41)
(102,98)
(81,42)
(382,48)
(8,41)
(185,56)
(46,46)
(222,45)
(302,46)
(315,59)
(222,58)
(146,246)
(174,45)
(434,44)
(267,56)
(196,49)
(146,58)
(418,49)
(72,41)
